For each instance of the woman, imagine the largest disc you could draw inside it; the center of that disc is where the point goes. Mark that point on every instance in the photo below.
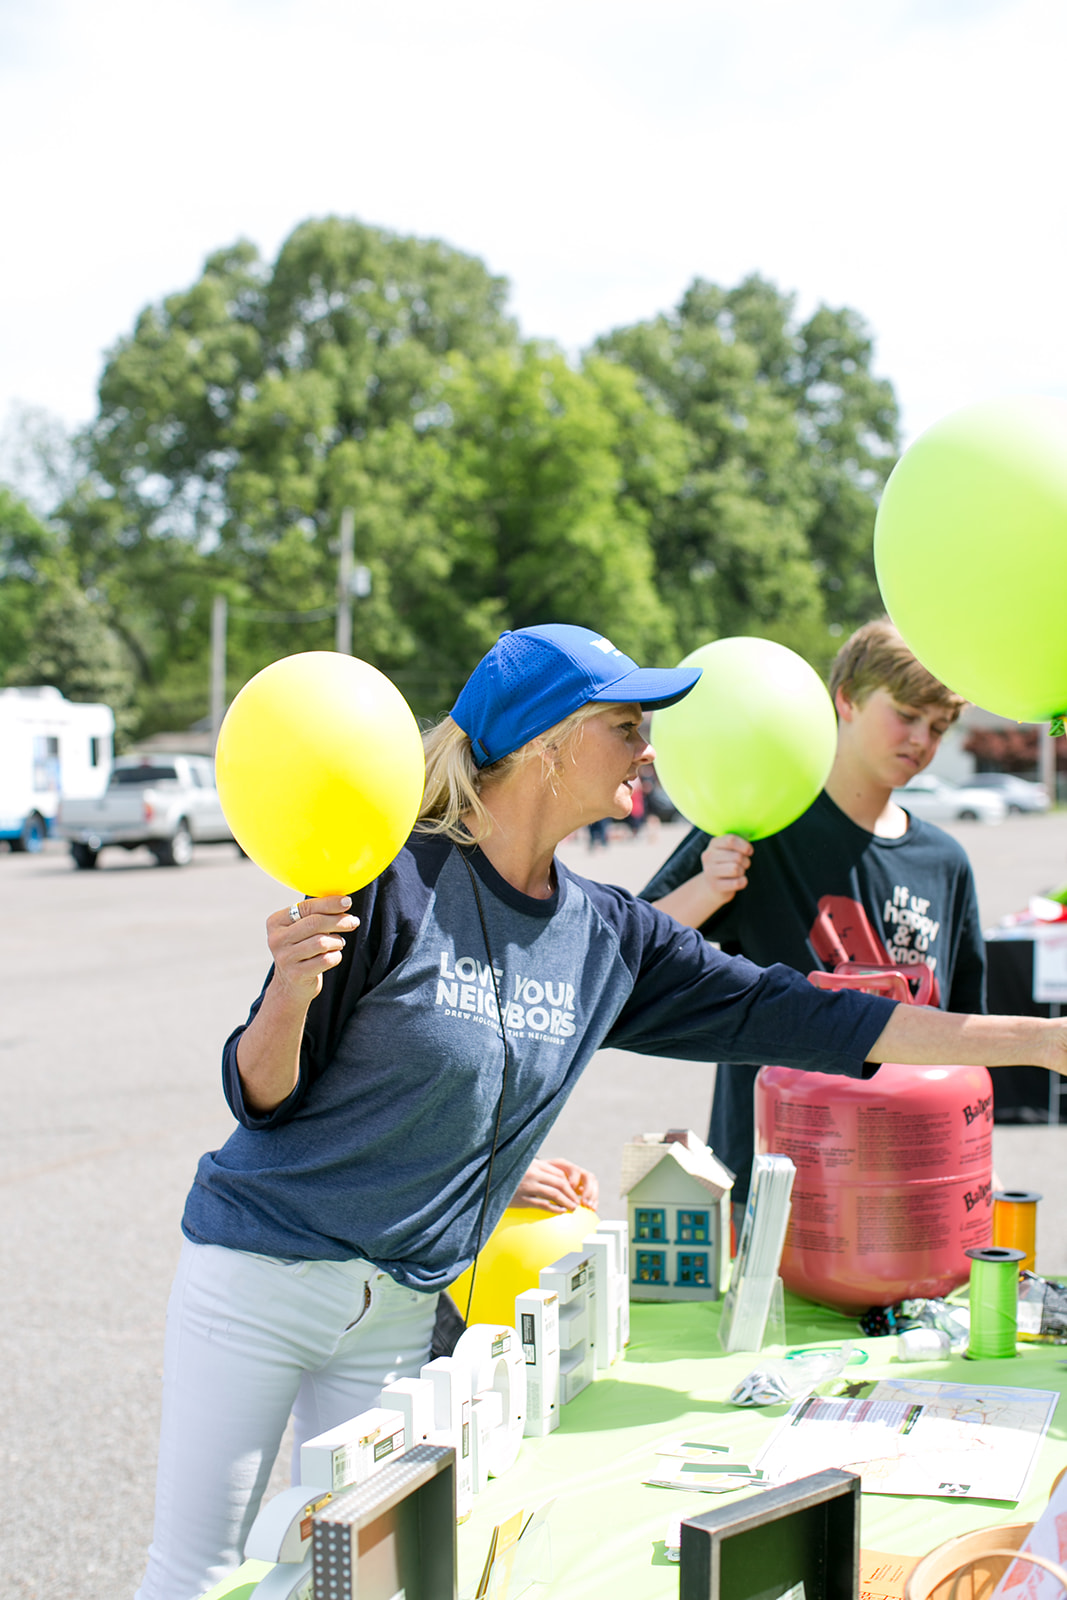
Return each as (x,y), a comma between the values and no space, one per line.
(392,1087)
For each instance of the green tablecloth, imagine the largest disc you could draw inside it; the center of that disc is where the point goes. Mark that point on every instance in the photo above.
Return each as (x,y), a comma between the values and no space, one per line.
(607,1528)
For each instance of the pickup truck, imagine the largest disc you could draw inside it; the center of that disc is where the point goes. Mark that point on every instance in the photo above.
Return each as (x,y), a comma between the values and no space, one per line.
(168,803)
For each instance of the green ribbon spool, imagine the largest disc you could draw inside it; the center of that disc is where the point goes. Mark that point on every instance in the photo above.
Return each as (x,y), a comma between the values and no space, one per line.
(994,1302)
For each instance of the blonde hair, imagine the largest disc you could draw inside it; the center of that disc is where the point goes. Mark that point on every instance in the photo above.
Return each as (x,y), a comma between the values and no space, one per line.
(876,657)
(452,801)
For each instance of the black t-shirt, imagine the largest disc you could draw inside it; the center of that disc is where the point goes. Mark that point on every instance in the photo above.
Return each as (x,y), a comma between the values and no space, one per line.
(824,891)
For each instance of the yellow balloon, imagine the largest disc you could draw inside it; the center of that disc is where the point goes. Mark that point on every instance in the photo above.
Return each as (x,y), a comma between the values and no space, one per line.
(523,1241)
(320,771)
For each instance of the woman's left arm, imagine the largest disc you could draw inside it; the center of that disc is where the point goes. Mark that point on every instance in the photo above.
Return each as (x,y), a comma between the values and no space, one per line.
(922,1036)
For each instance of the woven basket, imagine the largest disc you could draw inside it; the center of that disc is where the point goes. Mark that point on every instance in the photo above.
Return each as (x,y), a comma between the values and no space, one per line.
(970,1567)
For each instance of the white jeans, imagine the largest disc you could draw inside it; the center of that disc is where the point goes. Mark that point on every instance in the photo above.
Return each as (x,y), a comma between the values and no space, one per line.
(249,1340)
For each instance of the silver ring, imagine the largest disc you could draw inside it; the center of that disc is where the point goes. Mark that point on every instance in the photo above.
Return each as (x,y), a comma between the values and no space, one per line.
(294,912)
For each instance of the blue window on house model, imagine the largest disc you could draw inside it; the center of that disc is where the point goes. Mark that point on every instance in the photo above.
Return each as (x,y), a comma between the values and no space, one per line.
(692,1227)
(693,1270)
(651,1266)
(649,1224)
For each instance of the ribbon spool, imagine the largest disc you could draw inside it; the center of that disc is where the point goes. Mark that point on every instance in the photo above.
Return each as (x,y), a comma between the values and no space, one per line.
(1015,1223)
(994,1302)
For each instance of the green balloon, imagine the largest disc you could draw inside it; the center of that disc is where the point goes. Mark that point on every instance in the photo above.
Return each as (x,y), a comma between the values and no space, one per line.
(749,748)
(970,548)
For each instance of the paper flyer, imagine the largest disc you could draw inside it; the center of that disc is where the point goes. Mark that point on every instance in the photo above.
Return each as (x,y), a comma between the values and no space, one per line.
(908,1437)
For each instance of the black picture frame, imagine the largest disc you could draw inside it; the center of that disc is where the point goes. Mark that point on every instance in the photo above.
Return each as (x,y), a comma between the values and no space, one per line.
(761,1548)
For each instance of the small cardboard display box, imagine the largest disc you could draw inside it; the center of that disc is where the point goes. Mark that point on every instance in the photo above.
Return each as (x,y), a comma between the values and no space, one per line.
(800,1541)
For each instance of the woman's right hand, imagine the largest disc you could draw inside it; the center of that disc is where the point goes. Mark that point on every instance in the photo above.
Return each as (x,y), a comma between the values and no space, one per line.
(308,945)
(304,946)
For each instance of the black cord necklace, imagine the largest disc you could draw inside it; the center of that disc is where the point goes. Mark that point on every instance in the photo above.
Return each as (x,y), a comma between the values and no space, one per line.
(503,1080)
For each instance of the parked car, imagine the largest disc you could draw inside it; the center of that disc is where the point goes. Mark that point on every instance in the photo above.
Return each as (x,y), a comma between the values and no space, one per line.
(936,800)
(1019,794)
(165,802)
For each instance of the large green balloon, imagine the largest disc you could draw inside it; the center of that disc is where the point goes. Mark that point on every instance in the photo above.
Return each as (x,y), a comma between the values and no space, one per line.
(749,748)
(970,547)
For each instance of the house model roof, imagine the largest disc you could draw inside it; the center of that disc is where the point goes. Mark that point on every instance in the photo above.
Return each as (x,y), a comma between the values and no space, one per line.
(680,1145)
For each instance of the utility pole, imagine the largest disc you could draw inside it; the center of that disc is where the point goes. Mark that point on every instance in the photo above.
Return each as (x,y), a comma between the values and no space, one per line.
(218,666)
(344,582)
(1047,761)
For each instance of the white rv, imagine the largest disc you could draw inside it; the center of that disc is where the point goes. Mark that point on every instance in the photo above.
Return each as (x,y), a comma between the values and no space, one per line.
(50,748)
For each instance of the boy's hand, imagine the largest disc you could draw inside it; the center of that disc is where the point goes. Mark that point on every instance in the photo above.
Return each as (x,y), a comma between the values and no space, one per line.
(723,873)
(725,865)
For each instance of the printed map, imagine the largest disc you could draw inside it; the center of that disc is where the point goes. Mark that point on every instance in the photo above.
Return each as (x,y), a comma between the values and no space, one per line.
(910,1437)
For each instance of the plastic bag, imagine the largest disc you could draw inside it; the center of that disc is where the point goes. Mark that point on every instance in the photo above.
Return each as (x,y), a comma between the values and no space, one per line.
(1042,1313)
(954,1321)
(947,1318)
(774,1381)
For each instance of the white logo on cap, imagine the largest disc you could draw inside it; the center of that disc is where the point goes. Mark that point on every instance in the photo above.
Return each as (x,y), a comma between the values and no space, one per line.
(605,645)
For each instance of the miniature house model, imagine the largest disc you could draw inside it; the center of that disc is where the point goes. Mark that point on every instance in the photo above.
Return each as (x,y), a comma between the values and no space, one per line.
(678,1196)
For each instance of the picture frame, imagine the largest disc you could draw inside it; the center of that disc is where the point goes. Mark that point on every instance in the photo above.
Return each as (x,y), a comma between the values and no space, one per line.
(396,1533)
(813,1554)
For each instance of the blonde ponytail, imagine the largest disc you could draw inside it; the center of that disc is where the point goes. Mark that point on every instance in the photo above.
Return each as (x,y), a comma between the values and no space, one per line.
(452,801)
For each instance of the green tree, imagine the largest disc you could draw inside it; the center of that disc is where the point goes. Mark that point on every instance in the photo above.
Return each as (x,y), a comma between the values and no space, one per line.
(850,424)
(509,504)
(711,471)
(219,416)
(74,649)
(540,493)
(791,439)
(492,484)
(40,460)
(29,554)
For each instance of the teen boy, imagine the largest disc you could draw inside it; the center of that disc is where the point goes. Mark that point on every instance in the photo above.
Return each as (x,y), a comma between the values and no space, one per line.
(856,878)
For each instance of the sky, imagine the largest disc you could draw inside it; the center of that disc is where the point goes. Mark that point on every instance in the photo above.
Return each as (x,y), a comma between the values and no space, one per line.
(904,158)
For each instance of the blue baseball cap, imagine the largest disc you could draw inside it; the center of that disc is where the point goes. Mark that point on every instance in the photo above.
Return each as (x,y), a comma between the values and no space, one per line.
(533,678)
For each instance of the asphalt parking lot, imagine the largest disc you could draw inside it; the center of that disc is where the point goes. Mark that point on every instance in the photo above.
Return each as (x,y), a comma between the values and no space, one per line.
(119,987)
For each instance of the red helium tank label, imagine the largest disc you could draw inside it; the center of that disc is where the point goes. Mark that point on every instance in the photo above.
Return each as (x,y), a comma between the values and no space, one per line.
(893,1179)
